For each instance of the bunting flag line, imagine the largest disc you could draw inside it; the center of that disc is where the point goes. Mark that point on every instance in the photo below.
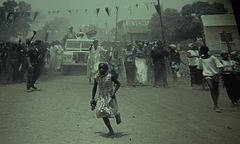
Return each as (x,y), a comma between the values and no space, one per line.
(33,15)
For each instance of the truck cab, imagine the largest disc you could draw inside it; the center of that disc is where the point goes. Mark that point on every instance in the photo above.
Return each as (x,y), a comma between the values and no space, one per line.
(75,55)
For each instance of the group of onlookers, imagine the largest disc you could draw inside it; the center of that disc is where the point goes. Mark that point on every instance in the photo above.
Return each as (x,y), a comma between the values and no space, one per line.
(209,70)
(14,59)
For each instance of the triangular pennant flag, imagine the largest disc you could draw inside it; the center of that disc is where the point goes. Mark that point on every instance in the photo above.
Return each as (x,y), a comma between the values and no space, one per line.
(35,15)
(31,15)
(9,14)
(130,9)
(5,16)
(146,4)
(157,9)
(70,11)
(117,7)
(108,11)
(97,9)
(152,3)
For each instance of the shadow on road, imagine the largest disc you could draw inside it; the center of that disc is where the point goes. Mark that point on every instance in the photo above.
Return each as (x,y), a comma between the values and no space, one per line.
(116,135)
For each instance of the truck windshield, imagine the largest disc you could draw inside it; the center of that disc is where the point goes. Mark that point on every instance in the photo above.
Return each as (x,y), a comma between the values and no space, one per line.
(73,45)
(86,46)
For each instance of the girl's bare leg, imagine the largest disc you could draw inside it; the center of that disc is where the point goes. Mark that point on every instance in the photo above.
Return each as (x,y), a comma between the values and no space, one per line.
(107,122)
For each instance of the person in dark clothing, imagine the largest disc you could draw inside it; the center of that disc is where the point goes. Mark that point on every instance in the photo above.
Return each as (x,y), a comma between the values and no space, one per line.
(23,61)
(229,78)
(15,60)
(129,63)
(10,59)
(159,56)
(33,65)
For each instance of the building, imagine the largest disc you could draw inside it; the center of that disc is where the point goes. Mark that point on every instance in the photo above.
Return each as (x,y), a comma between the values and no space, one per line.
(132,30)
(221,32)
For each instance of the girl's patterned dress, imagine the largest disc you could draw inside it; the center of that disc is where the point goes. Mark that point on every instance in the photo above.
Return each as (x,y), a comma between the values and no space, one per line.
(106,106)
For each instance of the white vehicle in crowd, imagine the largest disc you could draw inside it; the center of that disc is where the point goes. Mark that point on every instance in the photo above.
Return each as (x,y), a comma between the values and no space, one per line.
(75,56)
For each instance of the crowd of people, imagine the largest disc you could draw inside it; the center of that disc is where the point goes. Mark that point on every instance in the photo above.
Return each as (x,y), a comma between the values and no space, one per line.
(142,63)
(26,61)
(151,63)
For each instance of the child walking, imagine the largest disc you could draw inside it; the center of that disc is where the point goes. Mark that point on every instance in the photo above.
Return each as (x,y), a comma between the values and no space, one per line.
(211,67)
(106,103)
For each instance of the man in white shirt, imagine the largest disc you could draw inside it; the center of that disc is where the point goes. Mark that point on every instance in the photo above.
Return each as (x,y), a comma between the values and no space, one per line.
(193,60)
(94,58)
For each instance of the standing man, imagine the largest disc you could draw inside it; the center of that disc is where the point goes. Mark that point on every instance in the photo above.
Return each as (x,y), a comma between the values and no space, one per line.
(129,63)
(94,58)
(159,56)
(193,61)
(141,63)
(175,60)
(33,65)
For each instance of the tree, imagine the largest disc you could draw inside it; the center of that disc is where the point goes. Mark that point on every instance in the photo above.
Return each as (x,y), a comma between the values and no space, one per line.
(192,24)
(56,29)
(11,24)
(183,25)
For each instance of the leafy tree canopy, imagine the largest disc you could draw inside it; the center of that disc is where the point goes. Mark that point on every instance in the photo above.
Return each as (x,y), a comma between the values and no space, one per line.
(185,24)
(12,25)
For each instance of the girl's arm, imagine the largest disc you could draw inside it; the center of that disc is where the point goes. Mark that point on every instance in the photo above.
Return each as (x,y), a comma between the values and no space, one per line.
(94,90)
(117,85)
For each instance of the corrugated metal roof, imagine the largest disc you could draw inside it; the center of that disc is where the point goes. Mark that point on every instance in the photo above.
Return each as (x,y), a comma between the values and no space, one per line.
(136,26)
(219,20)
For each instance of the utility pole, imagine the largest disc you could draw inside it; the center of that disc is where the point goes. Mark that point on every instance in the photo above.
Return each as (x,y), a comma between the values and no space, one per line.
(161,22)
(116,24)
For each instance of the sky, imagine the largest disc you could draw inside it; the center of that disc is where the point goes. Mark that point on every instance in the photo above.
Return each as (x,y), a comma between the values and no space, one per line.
(77,19)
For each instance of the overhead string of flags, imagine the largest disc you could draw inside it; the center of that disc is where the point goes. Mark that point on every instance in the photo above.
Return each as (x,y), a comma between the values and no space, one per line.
(33,15)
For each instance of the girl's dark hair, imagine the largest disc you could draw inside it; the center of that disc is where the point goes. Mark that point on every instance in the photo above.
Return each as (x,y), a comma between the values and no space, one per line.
(204,49)
(105,64)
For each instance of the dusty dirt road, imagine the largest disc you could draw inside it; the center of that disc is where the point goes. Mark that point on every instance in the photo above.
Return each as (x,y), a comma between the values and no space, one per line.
(59,113)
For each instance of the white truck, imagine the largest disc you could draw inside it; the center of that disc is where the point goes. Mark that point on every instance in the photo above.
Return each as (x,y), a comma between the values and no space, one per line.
(75,55)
